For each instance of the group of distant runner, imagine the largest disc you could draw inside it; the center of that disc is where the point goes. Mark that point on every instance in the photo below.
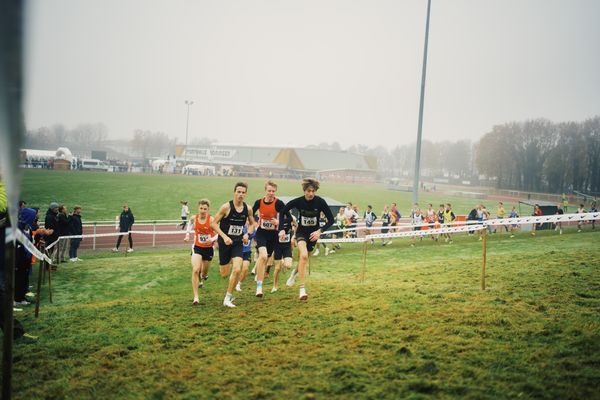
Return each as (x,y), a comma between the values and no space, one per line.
(234,226)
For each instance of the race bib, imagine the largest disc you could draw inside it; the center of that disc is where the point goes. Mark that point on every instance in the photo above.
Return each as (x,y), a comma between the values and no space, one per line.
(235,230)
(267,224)
(204,238)
(286,239)
(309,221)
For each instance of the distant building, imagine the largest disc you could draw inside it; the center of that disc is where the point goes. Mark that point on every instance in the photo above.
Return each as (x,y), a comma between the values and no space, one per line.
(283,162)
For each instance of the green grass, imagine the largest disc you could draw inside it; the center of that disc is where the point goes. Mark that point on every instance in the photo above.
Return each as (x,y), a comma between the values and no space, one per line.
(157,196)
(418,327)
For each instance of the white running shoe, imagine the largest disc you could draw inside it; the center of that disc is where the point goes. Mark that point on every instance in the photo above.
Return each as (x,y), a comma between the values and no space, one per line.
(326,251)
(78,259)
(316,252)
(274,290)
(303,294)
(228,303)
(114,250)
(259,292)
(332,252)
(73,259)
(291,280)
(130,250)
(238,287)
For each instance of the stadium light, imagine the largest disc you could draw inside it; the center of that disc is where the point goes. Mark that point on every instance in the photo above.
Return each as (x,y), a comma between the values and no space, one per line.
(420,128)
(188,103)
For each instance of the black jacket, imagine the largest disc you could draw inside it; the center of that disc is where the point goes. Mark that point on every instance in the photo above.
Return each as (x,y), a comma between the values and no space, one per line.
(63,222)
(51,222)
(76,228)
(126,221)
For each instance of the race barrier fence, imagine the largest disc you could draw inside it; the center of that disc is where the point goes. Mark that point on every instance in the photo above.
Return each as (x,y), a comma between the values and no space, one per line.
(45,261)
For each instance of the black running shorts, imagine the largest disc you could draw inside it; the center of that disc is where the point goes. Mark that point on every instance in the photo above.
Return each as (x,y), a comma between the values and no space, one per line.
(226,253)
(283,250)
(207,253)
(304,236)
(268,239)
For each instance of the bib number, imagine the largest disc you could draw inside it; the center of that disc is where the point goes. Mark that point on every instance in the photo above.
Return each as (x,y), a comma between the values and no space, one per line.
(267,224)
(235,230)
(286,239)
(204,238)
(309,221)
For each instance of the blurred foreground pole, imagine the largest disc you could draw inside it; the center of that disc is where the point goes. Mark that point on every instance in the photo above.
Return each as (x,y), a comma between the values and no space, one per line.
(422,101)
(11,134)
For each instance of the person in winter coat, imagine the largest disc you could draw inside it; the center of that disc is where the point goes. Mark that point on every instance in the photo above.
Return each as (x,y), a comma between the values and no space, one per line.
(23,256)
(51,224)
(126,221)
(63,221)
(75,228)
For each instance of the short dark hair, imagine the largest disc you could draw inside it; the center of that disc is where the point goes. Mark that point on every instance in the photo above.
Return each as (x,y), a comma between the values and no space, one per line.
(240,184)
(310,182)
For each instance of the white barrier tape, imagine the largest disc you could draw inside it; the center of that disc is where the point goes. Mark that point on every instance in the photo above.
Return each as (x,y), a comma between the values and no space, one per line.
(24,240)
(453,227)
(426,232)
(346,240)
(544,219)
(417,233)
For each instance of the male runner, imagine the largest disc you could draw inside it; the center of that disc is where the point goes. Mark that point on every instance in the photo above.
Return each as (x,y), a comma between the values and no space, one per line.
(229,224)
(202,250)
(268,209)
(246,258)
(310,207)
(283,251)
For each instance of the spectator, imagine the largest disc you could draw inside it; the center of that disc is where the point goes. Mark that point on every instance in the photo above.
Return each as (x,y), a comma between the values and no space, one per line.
(184,214)
(126,221)
(51,225)
(593,209)
(63,222)
(23,256)
(75,228)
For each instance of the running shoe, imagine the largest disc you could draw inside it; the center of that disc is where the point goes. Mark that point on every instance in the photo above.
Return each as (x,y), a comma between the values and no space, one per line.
(228,303)
(274,290)
(238,287)
(291,280)
(195,302)
(303,294)
(130,250)
(259,292)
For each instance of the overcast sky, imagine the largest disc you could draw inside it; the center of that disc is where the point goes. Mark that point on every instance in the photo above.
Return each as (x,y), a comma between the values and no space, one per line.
(301,72)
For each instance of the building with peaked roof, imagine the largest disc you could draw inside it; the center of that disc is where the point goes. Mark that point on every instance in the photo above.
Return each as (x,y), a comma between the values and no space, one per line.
(285,162)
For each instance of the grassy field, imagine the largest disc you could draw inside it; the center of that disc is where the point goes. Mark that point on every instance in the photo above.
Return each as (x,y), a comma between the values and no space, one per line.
(418,327)
(157,196)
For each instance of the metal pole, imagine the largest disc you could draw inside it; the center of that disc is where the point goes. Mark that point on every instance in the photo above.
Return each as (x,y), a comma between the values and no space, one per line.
(422,101)
(484,259)
(94,238)
(187,125)
(9,289)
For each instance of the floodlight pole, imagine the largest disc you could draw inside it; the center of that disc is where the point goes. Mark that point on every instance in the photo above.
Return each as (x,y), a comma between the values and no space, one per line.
(188,103)
(422,101)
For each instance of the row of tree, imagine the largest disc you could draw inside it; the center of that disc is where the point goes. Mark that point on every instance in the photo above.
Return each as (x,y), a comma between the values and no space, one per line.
(534,155)
(81,137)
(539,155)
